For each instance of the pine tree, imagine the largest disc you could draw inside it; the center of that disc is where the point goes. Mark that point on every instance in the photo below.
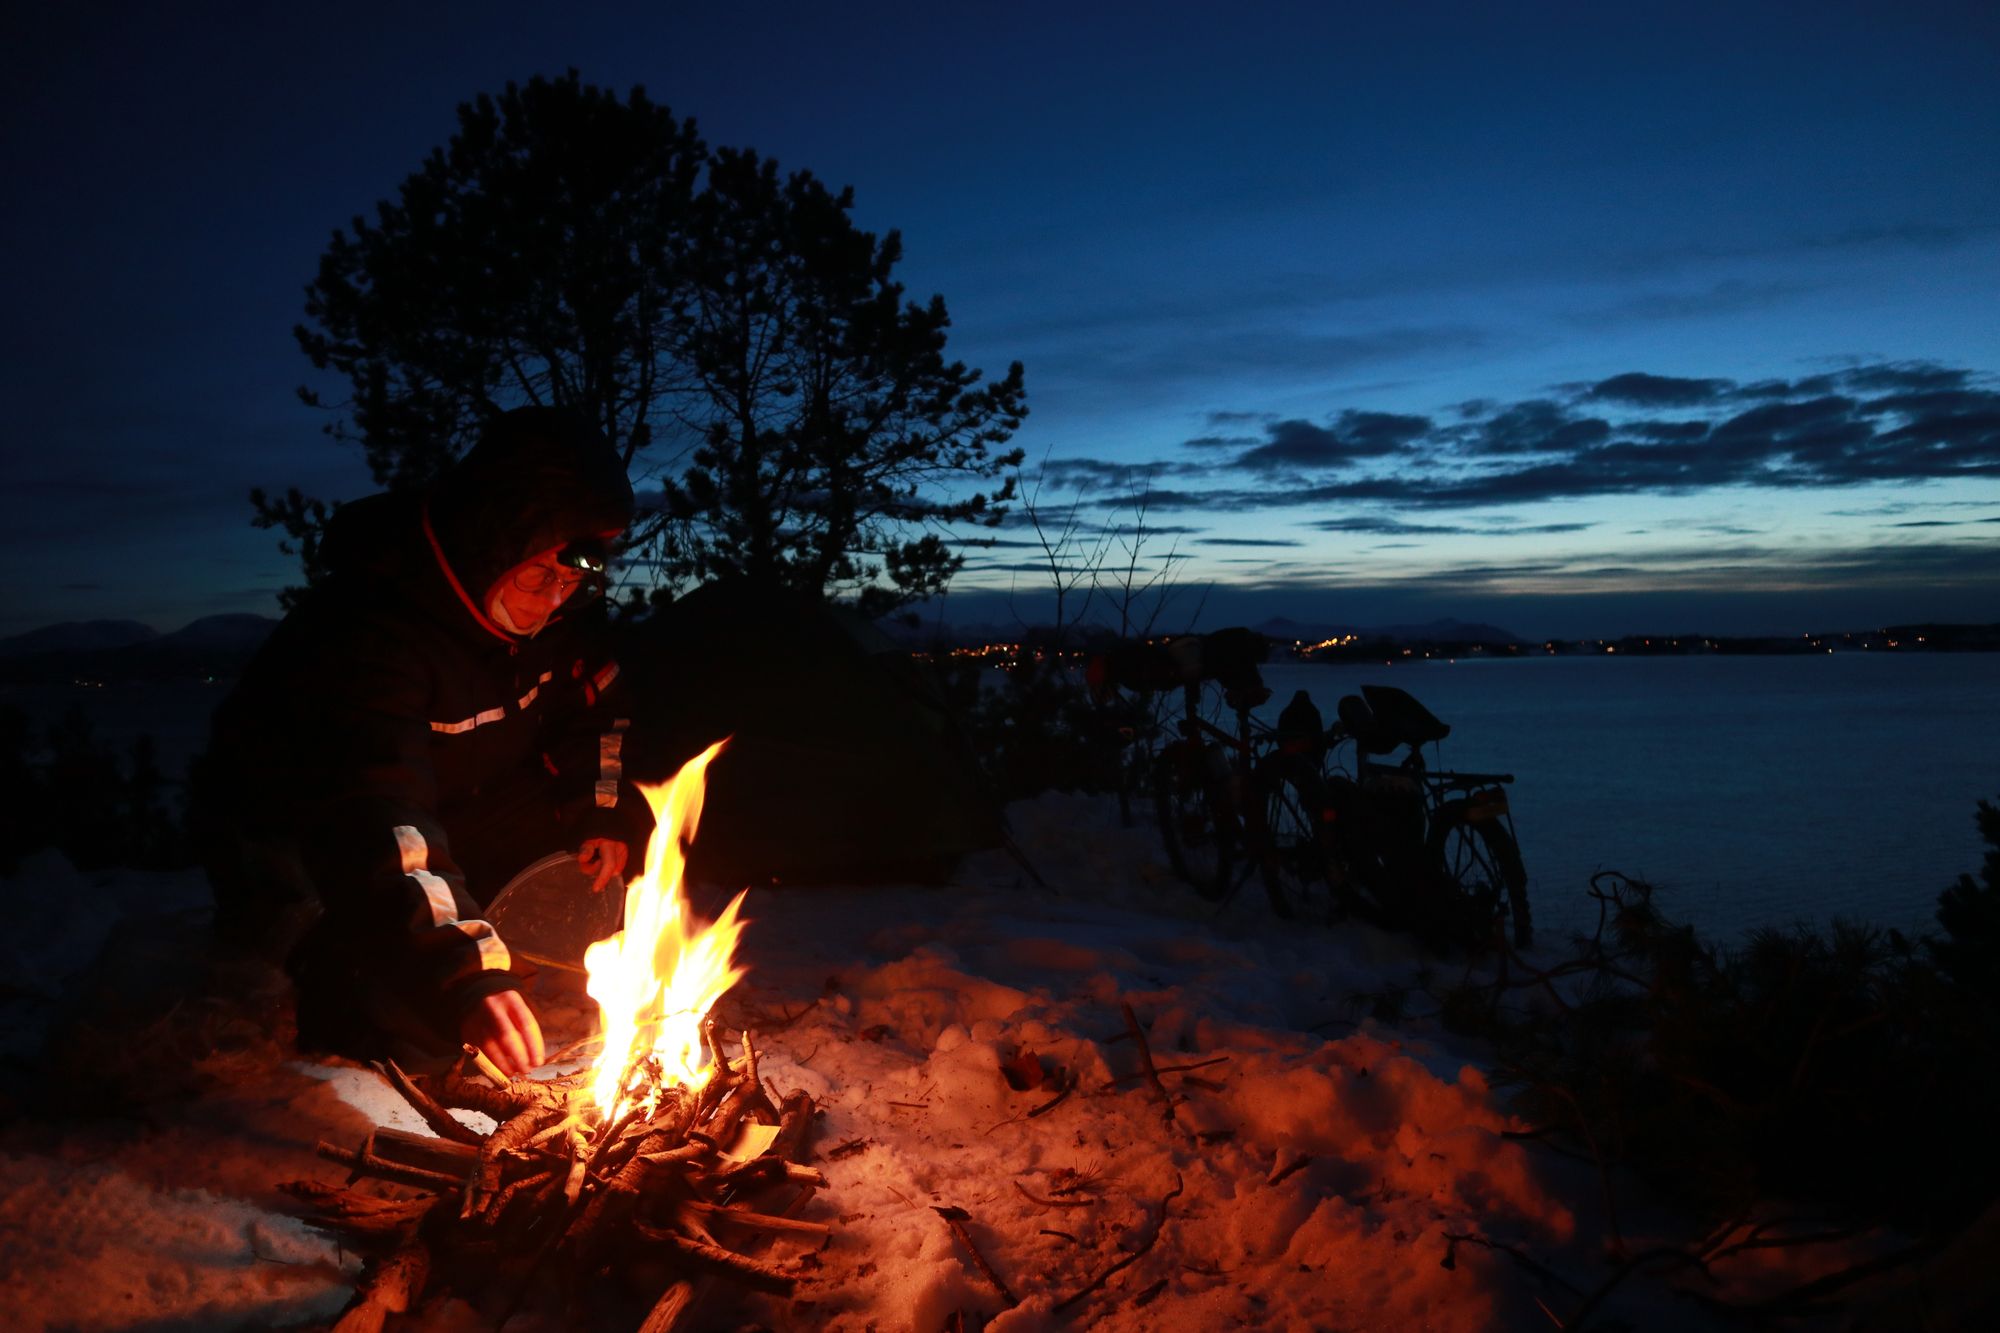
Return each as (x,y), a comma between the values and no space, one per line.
(575,248)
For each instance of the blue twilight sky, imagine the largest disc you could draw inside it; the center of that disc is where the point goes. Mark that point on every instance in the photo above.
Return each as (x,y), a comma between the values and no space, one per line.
(1577,319)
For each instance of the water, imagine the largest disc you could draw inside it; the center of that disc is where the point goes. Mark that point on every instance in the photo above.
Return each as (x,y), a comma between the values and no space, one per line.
(175,714)
(1751,790)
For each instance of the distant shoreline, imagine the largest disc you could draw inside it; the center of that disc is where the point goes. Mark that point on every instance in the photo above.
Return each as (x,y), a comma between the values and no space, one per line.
(218,648)
(1369,647)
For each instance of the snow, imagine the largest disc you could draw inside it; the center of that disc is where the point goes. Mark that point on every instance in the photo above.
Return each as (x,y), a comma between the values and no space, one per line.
(1315,1165)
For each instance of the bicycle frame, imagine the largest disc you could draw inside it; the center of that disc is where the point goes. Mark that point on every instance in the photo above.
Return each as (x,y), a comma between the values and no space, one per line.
(1437,786)
(1451,823)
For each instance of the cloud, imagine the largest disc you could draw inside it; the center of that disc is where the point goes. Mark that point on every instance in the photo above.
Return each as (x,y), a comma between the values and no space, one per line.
(1642,390)
(1371,524)
(1664,430)
(1905,377)
(1249,541)
(1707,569)
(1031,567)
(1905,235)
(1537,426)
(1631,434)
(1722,298)
(1302,446)
(1218,441)
(1088,473)
(1219,500)
(1366,524)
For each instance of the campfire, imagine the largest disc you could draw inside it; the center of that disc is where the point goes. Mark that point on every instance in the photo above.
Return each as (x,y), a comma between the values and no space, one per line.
(666,1164)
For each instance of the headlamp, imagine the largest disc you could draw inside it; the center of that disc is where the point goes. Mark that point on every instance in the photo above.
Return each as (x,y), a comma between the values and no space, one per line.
(589,554)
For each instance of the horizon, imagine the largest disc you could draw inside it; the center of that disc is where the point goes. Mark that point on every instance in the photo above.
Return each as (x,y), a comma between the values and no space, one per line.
(1390,316)
(1206,624)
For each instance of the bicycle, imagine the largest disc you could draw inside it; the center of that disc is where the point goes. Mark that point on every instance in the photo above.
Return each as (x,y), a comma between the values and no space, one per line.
(1398,844)
(1395,841)
(1196,772)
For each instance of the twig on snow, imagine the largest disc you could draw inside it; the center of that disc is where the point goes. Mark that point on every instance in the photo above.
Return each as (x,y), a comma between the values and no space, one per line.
(1050,1203)
(1170,1069)
(1138,1035)
(956,1218)
(1137,1254)
(1516,1253)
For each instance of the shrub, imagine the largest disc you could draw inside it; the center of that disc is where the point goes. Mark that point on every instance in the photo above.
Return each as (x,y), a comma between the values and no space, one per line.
(68,790)
(1849,1068)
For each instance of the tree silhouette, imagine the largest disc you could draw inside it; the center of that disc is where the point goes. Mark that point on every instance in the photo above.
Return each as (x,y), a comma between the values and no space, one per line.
(533,259)
(832,430)
(574,248)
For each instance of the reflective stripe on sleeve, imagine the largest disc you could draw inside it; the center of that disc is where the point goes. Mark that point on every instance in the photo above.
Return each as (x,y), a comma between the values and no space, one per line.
(491,715)
(533,690)
(478,719)
(493,956)
(416,858)
(611,763)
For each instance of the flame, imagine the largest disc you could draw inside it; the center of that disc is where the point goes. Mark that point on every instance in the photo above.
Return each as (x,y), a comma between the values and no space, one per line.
(655,980)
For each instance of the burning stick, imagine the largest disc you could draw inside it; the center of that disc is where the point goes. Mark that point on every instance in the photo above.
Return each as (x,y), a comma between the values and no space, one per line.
(636,1183)
(441,1121)
(626,1161)
(749,1221)
(365,1163)
(486,1066)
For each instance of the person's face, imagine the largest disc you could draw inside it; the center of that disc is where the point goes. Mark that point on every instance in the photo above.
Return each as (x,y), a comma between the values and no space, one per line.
(532,591)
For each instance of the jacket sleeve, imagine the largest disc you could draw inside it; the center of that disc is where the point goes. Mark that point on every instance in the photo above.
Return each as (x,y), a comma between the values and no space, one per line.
(374,844)
(584,736)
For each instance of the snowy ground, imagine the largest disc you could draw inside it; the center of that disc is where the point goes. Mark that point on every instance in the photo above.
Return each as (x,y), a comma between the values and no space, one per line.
(1310,1177)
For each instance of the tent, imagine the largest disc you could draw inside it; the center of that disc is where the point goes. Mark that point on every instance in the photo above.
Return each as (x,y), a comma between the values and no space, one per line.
(843,763)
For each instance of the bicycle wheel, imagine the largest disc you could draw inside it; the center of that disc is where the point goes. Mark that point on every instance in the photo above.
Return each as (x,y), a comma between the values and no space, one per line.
(1197,823)
(1303,871)
(1479,856)
(1135,783)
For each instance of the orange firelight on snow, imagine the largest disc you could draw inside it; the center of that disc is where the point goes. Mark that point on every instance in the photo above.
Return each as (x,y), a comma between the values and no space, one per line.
(655,980)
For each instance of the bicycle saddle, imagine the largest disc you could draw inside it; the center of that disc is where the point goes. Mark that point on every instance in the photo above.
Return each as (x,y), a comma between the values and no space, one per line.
(1360,722)
(1399,714)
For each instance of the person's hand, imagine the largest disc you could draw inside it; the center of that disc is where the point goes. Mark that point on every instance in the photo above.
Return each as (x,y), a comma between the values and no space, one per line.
(503,1026)
(604,858)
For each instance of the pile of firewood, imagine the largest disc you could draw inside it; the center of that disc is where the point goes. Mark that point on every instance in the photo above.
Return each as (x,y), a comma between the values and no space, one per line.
(643,1212)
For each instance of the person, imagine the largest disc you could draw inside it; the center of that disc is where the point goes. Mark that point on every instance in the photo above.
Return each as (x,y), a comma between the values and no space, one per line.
(433,715)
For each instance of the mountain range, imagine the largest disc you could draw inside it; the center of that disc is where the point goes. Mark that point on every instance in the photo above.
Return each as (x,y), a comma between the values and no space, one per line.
(106,650)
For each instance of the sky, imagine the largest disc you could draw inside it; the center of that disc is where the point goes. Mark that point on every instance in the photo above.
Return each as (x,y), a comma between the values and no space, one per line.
(1574,319)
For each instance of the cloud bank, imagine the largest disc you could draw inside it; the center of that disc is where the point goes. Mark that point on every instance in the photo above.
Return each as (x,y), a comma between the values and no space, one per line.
(1634,433)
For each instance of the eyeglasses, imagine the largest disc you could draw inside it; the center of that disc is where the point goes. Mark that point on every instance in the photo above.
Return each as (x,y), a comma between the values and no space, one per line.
(538,579)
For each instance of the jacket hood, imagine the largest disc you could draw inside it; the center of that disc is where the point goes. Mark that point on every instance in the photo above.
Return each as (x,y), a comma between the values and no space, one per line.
(374,537)
(539,477)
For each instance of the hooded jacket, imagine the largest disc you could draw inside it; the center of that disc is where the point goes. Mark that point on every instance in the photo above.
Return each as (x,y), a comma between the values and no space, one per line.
(388,702)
